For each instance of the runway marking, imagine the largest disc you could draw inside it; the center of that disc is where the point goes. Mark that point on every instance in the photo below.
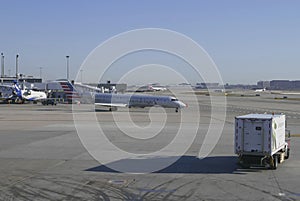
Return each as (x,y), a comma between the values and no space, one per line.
(119,182)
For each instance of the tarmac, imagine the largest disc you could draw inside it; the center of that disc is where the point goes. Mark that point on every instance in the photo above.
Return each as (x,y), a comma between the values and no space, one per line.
(42,156)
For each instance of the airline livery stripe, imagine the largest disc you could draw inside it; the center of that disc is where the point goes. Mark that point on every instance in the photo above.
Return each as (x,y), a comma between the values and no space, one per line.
(69,91)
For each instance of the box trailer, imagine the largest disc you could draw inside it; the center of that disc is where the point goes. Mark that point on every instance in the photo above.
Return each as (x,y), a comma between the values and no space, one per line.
(261,140)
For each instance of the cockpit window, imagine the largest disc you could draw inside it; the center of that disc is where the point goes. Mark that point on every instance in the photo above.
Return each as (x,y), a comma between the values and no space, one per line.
(174,99)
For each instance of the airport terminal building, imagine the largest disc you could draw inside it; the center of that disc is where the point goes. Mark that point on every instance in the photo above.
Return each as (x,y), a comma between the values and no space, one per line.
(280,84)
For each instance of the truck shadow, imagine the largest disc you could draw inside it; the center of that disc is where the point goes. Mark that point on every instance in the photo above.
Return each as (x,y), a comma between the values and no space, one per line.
(184,165)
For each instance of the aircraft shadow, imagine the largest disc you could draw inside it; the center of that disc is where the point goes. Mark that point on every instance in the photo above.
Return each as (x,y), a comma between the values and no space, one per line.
(101,110)
(184,165)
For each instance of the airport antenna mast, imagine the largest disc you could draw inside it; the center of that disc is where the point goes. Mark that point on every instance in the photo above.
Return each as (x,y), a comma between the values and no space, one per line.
(17,67)
(2,65)
(68,58)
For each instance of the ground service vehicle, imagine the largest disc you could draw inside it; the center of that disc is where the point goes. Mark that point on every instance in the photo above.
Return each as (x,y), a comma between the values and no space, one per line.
(261,140)
(49,102)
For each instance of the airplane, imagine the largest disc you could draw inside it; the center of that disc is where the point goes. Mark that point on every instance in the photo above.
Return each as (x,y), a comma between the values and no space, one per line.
(115,100)
(150,88)
(157,88)
(14,92)
(28,94)
(260,90)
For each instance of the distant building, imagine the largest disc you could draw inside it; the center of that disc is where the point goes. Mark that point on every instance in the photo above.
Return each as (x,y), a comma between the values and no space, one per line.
(285,85)
(280,84)
(263,84)
(29,79)
(296,84)
(206,85)
(240,86)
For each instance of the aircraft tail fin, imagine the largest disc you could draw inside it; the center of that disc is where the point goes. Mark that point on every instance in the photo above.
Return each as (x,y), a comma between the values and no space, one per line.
(17,89)
(71,93)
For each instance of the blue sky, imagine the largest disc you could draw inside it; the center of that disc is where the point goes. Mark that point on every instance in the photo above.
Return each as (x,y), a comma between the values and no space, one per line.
(248,40)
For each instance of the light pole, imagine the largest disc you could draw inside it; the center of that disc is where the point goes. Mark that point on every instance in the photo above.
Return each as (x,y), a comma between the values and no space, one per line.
(2,65)
(68,58)
(17,66)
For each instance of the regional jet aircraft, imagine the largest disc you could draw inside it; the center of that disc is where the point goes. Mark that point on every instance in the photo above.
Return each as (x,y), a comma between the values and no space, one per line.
(29,95)
(157,88)
(114,100)
(15,92)
(260,90)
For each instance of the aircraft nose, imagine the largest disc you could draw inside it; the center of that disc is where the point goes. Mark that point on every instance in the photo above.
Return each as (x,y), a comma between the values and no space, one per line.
(181,104)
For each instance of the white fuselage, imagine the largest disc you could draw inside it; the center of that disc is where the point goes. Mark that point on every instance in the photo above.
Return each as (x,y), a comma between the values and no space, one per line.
(157,88)
(31,95)
(133,100)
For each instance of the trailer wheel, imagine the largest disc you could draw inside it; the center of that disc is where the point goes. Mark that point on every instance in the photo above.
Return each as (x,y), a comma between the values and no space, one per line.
(274,162)
(242,164)
(245,165)
(113,109)
(287,153)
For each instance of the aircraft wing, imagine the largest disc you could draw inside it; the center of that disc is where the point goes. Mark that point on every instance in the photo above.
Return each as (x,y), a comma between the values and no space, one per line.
(6,88)
(112,104)
(6,97)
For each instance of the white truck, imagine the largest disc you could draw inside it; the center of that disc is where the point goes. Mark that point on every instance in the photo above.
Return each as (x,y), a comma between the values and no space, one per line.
(261,140)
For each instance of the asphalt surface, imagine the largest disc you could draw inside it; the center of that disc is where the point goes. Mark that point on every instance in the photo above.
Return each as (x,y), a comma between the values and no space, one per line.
(43,158)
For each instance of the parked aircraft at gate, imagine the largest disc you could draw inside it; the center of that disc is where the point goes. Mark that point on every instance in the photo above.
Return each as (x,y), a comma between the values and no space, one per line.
(28,94)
